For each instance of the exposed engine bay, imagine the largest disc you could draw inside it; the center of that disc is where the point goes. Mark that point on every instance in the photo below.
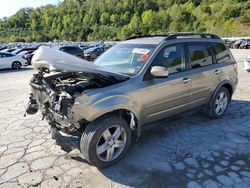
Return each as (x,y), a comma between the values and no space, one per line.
(54,95)
(59,80)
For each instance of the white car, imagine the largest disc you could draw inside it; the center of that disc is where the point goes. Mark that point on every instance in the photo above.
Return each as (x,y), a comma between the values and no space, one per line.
(246,64)
(13,61)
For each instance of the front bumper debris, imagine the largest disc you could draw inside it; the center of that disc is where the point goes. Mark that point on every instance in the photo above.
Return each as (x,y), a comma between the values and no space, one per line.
(55,107)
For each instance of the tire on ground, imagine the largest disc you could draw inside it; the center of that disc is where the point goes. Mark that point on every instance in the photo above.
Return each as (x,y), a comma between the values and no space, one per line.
(93,132)
(16,65)
(210,108)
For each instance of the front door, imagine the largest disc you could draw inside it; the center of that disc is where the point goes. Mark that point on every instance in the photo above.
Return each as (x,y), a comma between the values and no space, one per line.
(163,97)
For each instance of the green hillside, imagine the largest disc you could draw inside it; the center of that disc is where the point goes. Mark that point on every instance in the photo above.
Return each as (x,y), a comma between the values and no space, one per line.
(79,20)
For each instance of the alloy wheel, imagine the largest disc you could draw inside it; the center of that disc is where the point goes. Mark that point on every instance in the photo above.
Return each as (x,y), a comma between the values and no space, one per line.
(111,143)
(16,65)
(221,103)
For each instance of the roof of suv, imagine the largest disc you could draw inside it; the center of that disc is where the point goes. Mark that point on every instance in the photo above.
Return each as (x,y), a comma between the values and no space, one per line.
(156,39)
(146,40)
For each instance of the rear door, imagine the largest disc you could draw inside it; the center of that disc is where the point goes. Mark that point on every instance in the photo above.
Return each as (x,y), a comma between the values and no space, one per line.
(205,73)
(226,60)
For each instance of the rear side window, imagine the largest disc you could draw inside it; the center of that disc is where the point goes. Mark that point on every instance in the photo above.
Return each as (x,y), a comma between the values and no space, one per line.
(76,49)
(8,55)
(199,55)
(5,55)
(221,53)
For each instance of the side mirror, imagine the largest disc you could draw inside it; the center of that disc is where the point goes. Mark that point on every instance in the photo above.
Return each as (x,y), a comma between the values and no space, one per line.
(159,71)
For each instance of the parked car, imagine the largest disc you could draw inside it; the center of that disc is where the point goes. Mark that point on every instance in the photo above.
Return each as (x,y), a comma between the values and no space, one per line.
(8,50)
(231,43)
(28,56)
(3,47)
(13,61)
(227,42)
(92,53)
(73,50)
(237,43)
(85,47)
(20,50)
(138,81)
(246,64)
(107,46)
(245,44)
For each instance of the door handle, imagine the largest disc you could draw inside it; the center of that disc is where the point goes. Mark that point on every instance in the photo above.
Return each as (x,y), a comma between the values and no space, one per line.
(217,71)
(186,80)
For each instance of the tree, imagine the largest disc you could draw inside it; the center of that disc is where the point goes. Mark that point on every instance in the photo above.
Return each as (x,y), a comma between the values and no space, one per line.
(116,19)
(105,18)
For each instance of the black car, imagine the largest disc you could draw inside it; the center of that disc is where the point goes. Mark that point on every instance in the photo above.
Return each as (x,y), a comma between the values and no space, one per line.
(19,50)
(92,53)
(73,50)
(238,43)
(28,56)
(245,44)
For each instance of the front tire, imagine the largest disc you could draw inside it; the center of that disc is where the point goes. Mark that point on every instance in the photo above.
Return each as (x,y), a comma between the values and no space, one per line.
(16,65)
(219,103)
(105,141)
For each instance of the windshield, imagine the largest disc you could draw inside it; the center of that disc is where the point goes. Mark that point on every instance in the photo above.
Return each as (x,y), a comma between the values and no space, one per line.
(15,51)
(125,58)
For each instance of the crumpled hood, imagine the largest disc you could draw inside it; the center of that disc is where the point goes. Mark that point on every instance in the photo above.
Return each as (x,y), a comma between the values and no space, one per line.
(56,60)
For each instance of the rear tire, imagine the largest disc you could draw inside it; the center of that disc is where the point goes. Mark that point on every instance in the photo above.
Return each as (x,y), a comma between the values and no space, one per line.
(105,141)
(219,103)
(16,65)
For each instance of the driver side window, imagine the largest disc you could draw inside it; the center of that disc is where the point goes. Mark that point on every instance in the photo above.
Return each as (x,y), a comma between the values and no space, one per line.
(171,57)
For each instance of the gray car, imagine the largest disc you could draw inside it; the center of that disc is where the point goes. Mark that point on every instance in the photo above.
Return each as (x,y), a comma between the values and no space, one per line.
(136,82)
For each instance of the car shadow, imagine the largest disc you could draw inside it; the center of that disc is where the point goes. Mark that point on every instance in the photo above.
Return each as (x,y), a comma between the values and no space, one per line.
(150,162)
(23,69)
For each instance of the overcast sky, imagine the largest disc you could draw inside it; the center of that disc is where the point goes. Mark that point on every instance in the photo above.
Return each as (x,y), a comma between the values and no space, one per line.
(10,7)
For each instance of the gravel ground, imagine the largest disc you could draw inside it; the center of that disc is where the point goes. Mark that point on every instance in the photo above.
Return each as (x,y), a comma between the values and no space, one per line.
(188,151)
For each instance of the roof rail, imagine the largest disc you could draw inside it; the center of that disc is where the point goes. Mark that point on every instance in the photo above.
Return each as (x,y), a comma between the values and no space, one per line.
(137,36)
(142,36)
(171,36)
(188,35)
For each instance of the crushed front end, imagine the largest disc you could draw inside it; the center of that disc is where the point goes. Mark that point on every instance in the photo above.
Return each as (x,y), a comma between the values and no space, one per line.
(55,104)
(59,80)
(54,95)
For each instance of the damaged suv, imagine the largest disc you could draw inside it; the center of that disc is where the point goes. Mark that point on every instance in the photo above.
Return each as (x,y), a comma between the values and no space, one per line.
(136,82)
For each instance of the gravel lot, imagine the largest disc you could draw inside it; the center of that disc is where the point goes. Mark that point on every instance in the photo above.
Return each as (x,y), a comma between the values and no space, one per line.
(187,151)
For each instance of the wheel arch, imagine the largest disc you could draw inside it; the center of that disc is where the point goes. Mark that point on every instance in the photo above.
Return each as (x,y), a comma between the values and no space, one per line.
(123,113)
(227,84)
(16,61)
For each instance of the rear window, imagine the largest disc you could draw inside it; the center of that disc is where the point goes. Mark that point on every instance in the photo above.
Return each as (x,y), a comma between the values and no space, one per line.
(221,53)
(71,48)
